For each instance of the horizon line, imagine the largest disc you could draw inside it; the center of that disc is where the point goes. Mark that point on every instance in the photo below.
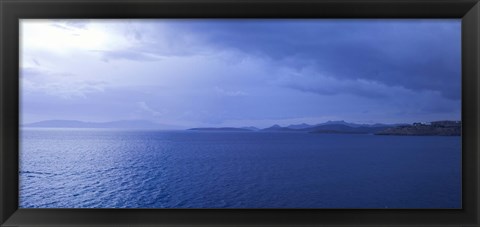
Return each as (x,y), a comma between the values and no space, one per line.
(244,126)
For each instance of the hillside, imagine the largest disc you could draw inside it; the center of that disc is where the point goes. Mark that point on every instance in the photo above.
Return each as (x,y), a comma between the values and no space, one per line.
(440,128)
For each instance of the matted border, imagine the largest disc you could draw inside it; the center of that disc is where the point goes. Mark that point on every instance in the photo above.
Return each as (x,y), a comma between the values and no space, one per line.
(13,10)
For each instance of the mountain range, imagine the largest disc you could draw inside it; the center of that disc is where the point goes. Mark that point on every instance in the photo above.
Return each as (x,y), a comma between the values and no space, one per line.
(331,126)
(326,127)
(340,127)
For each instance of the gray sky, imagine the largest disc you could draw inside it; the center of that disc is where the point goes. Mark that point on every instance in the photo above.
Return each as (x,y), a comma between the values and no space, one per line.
(197,73)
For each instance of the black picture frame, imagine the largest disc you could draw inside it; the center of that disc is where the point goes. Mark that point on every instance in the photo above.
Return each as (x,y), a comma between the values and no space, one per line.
(13,10)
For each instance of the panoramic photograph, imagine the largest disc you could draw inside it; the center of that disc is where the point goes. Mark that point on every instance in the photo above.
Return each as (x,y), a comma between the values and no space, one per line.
(240,113)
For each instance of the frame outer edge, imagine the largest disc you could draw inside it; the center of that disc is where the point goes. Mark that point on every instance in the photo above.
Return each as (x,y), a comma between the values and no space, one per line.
(5,212)
(473,59)
(471,114)
(476,13)
(2,177)
(477,8)
(8,162)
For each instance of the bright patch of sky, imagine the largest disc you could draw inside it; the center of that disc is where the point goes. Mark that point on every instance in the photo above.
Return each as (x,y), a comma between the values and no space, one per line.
(217,73)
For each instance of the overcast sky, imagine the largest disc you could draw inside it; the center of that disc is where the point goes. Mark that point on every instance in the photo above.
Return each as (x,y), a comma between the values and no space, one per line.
(197,73)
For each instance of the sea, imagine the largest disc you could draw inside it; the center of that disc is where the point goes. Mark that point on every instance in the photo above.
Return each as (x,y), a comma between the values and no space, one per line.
(109,168)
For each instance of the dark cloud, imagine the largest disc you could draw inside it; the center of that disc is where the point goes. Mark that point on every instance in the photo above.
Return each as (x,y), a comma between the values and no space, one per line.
(415,54)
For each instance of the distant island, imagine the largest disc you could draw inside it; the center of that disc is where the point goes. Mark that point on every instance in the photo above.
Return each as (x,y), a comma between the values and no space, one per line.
(438,128)
(340,127)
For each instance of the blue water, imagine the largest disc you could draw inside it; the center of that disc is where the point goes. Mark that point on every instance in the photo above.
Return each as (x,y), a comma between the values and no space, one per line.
(85,168)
